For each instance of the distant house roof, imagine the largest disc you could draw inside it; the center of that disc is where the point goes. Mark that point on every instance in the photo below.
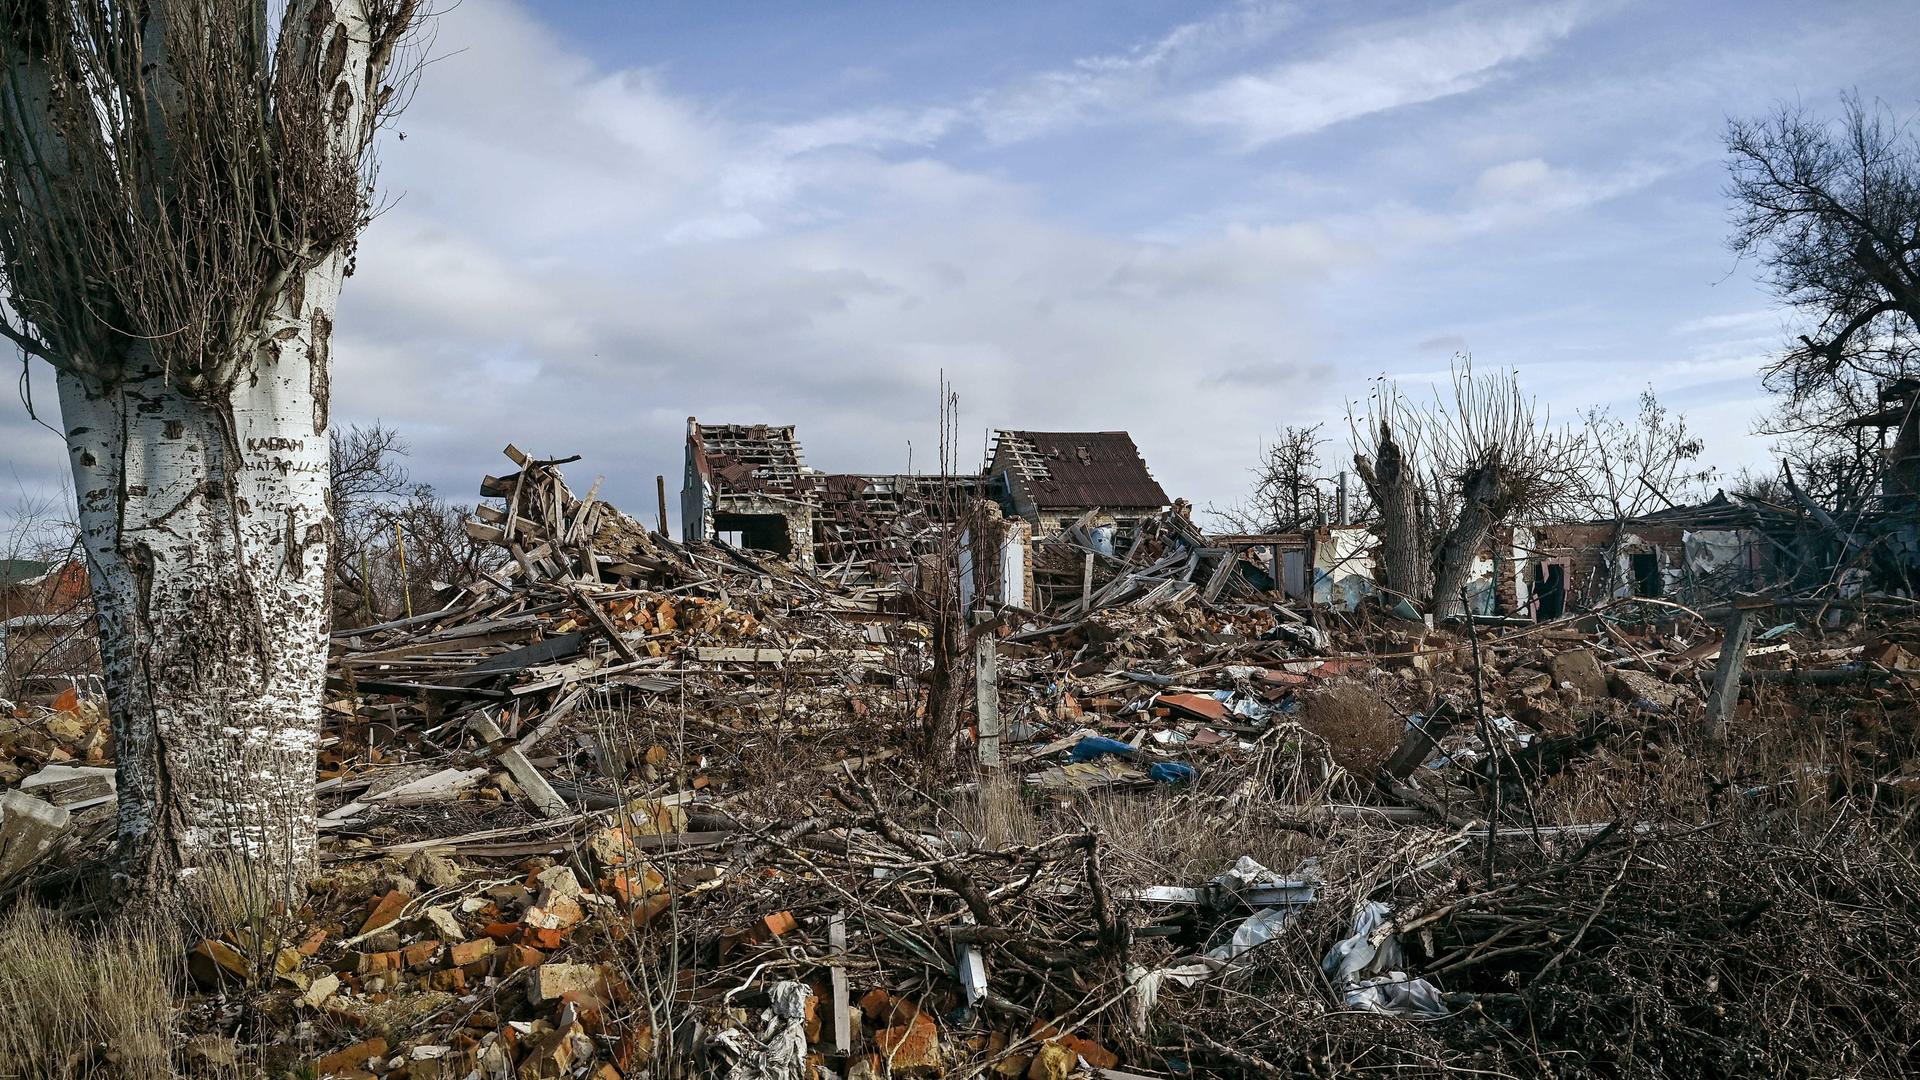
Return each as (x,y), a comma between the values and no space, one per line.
(1078,469)
(20,571)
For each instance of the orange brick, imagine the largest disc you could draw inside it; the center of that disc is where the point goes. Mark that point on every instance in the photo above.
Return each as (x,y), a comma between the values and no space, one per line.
(353,1057)
(501,931)
(419,954)
(1097,1056)
(515,957)
(213,960)
(651,908)
(376,963)
(470,952)
(385,911)
(312,942)
(588,1008)
(634,1045)
(776,924)
(812,1016)
(911,1046)
(452,980)
(539,938)
(630,884)
(882,1009)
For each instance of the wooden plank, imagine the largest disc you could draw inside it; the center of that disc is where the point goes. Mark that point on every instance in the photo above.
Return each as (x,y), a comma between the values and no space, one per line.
(599,616)
(576,529)
(842,1019)
(781,656)
(540,652)
(554,715)
(539,792)
(408,689)
(1726,674)
(1421,740)
(669,841)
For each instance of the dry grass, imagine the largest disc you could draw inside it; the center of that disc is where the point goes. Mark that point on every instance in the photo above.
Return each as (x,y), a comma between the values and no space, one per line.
(77,1002)
(1161,835)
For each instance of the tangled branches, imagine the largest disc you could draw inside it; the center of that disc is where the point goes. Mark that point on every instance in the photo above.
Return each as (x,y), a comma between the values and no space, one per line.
(1702,954)
(169,173)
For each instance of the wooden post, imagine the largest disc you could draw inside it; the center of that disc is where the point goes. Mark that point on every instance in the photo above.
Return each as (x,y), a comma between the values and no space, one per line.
(660,489)
(1420,741)
(1726,675)
(1086,580)
(842,1021)
(986,692)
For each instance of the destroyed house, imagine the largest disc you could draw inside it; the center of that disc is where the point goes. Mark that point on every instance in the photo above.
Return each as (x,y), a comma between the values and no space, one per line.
(1689,553)
(1054,478)
(748,485)
(745,483)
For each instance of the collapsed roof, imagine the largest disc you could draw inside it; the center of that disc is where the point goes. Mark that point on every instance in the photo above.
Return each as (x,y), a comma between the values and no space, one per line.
(1058,469)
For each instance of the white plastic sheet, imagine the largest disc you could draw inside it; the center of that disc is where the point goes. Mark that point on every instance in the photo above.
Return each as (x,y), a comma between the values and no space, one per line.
(1367,971)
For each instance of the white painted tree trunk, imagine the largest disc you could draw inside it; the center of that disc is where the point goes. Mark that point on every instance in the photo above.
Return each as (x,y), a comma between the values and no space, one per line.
(207,529)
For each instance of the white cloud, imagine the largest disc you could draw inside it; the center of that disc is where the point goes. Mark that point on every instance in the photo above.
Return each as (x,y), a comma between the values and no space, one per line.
(1380,68)
(1101,87)
(1518,192)
(617,257)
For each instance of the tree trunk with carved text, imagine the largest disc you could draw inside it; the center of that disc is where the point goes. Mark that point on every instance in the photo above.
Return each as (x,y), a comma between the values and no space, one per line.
(181,186)
(207,529)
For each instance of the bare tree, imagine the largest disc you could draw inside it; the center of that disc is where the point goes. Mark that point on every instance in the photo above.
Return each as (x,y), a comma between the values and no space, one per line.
(1444,475)
(1638,467)
(1831,210)
(367,478)
(1288,494)
(1641,465)
(181,185)
(398,545)
(1767,488)
(39,542)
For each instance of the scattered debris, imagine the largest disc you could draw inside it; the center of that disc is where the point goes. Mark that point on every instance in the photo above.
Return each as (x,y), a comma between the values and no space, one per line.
(633,806)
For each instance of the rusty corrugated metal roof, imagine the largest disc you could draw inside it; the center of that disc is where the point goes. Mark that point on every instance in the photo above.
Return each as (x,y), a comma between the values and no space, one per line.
(1086,469)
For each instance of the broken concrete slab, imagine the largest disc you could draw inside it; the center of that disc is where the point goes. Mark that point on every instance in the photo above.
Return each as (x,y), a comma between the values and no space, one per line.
(29,830)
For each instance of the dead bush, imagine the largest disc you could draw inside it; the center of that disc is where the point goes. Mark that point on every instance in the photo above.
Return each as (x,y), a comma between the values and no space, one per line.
(1361,729)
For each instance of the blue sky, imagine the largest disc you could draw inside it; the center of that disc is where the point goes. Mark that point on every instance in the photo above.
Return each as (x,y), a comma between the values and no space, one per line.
(1197,222)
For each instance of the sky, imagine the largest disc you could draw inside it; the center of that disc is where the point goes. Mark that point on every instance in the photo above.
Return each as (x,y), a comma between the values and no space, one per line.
(1195,222)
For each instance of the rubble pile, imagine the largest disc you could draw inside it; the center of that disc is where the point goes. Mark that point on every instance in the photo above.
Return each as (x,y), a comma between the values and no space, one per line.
(633,807)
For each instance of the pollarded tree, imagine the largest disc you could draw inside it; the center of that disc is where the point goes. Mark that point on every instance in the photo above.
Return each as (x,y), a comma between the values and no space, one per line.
(1387,460)
(1443,475)
(181,185)
(1495,459)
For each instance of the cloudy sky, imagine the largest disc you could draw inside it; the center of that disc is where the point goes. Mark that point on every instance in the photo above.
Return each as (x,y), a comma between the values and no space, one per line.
(1195,222)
